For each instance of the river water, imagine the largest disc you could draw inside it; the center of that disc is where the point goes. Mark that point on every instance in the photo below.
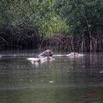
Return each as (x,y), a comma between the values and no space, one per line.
(63,80)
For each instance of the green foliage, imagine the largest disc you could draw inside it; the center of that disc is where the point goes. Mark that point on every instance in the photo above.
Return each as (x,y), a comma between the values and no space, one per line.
(51,16)
(38,13)
(82,16)
(23,21)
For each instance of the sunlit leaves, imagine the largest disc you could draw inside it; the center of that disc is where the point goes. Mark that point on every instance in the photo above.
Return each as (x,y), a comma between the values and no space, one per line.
(39,13)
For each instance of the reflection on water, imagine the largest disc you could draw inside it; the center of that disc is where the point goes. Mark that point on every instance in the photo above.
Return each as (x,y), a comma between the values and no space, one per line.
(64,80)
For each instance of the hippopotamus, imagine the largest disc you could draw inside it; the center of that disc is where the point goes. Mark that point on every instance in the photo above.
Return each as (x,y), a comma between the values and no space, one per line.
(46,53)
(74,54)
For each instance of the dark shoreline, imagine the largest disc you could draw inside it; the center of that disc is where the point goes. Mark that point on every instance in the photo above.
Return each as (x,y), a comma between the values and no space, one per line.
(56,43)
(30,39)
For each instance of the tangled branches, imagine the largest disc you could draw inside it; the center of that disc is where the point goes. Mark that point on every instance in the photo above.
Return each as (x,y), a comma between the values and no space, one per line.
(70,43)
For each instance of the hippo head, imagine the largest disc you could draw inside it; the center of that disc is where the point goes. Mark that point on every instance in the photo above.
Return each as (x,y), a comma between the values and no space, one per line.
(49,52)
(46,53)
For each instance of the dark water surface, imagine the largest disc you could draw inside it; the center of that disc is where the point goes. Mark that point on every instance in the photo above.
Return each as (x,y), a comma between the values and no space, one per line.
(64,80)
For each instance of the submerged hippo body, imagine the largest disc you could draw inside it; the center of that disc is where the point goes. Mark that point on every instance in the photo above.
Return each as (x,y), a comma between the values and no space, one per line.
(46,53)
(74,54)
(45,56)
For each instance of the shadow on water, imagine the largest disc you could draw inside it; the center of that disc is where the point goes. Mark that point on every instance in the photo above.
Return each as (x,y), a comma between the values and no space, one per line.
(63,80)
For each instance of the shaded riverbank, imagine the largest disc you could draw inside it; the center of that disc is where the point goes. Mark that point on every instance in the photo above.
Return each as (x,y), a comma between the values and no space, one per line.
(71,43)
(24,38)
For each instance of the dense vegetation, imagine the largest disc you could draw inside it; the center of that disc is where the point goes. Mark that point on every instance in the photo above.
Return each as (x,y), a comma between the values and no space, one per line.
(70,25)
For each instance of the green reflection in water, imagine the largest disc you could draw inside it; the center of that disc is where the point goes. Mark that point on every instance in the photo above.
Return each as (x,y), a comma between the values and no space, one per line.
(60,81)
